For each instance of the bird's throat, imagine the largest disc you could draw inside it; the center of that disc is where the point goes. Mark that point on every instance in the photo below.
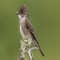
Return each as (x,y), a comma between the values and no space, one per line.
(20,17)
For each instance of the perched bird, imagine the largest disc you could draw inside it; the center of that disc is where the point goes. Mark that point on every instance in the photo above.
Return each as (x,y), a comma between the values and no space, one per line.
(25,27)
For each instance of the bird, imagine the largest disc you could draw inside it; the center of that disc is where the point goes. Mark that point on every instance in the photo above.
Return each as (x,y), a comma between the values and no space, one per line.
(25,26)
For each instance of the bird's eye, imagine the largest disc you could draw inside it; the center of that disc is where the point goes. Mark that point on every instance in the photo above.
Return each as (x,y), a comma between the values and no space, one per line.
(22,12)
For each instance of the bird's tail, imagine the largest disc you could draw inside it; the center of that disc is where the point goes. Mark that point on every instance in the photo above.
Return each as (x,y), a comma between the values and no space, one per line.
(37,44)
(41,51)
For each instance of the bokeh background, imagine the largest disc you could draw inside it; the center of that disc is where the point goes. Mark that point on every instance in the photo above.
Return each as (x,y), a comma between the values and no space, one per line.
(45,18)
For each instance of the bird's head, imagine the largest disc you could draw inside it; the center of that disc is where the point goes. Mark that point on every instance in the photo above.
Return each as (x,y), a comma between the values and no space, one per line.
(22,11)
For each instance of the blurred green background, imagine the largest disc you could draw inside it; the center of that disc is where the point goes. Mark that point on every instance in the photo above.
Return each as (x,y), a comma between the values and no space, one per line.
(45,18)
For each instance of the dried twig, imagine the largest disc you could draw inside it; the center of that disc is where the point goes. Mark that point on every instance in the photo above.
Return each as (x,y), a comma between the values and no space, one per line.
(25,49)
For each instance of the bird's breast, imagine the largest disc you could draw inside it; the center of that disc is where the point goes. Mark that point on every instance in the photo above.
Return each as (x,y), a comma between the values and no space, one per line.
(24,32)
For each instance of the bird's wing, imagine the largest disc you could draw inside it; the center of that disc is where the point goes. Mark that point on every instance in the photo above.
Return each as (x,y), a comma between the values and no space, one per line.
(29,27)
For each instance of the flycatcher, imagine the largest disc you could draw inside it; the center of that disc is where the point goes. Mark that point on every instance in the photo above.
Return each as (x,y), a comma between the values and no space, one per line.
(25,27)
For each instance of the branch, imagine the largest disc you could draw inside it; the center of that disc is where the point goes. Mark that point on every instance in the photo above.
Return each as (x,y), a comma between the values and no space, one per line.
(25,49)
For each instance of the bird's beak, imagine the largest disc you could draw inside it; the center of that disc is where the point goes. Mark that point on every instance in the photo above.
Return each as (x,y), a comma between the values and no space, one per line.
(16,12)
